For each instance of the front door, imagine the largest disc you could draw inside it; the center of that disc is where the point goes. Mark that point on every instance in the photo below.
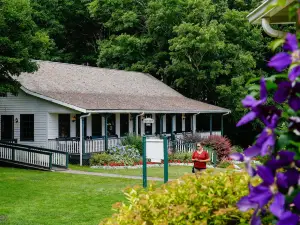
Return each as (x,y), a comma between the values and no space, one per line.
(148,126)
(7,127)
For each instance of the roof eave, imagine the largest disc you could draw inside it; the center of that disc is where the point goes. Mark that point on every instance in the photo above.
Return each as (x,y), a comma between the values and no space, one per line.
(157,111)
(53,100)
(261,11)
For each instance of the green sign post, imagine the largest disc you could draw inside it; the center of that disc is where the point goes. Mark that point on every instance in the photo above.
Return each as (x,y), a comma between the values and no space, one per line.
(144,163)
(166,160)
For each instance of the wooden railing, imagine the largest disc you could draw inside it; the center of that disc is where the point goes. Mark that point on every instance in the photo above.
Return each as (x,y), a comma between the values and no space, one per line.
(26,156)
(91,145)
(58,158)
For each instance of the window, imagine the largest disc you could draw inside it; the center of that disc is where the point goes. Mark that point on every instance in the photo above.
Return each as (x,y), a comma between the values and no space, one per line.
(178,123)
(111,125)
(64,125)
(157,121)
(188,118)
(168,123)
(96,125)
(124,124)
(27,127)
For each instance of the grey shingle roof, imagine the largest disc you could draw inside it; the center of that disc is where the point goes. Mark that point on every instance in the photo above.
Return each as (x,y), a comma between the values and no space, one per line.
(93,88)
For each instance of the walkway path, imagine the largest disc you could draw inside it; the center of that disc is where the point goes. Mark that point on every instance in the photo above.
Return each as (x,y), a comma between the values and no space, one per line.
(109,175)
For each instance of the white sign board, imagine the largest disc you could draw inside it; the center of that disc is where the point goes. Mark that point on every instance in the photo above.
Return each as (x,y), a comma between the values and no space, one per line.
(148,120)
(155,150)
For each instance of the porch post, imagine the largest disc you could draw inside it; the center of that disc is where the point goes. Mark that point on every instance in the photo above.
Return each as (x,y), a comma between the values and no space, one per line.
(154,123)
(210,124)
(105,132)
(173,126)
(194,123)
(137,126)
(134,123)
(83,139)
(183,122)
(222,126)
(118,122)
(164,123)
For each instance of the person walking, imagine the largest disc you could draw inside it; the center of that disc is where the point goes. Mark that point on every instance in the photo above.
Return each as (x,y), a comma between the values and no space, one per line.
(200,157)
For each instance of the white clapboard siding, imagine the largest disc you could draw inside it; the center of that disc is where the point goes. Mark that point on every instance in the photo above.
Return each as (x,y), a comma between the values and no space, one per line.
(27,104)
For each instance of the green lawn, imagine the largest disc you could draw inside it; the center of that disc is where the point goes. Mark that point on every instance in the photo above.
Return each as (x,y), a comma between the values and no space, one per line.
(174,171)
(30,197)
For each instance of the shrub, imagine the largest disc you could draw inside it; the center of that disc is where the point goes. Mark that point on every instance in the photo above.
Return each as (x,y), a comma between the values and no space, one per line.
(237,148)
(133,140)
(125,154)
(101,159)
(183,157)
(220,144)
(191,138)
(210,199)
(224,164)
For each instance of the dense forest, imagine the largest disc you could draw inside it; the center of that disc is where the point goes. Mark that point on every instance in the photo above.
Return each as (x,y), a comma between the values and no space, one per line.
(205,49)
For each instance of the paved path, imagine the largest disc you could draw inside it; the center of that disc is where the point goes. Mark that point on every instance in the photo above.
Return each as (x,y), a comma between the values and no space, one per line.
(109,175)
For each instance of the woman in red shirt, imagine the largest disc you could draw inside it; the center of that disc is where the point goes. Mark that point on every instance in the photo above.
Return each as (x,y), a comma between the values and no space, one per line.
(200,158)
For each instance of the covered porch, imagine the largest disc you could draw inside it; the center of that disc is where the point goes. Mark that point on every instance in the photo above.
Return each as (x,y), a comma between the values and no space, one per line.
(97,132)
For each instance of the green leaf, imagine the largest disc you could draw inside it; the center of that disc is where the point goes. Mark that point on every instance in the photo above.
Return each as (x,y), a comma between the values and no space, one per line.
(276,43)
(283,141)
(271,86)
(252,80)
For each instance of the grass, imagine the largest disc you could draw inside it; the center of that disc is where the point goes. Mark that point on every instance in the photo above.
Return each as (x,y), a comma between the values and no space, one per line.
(174,171)
(30,197)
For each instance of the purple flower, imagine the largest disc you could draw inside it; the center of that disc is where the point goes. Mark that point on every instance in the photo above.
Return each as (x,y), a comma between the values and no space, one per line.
(254,105)
(278,209)
(282,60)
(287,90)
(297,201)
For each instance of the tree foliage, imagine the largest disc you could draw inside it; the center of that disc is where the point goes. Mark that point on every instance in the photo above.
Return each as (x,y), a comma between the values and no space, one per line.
(205,49)
(20,41)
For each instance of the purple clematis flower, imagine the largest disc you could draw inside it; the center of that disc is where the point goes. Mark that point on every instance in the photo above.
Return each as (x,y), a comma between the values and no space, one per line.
(278,209)
(282,60)
(243,158)
(287,90)
(297,201)
(254,105)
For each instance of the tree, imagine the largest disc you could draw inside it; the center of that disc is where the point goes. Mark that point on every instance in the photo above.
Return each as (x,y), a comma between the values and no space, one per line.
(20,42)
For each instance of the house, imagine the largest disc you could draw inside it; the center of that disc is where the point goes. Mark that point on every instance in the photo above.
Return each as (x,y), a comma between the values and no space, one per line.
(268,13)
(61,103)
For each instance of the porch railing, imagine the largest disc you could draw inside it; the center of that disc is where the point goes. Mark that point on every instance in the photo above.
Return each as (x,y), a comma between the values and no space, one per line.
(58,158)
(24,156)
(72,146)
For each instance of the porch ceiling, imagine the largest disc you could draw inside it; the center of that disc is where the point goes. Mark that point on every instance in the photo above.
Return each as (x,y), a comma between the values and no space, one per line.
(276,15)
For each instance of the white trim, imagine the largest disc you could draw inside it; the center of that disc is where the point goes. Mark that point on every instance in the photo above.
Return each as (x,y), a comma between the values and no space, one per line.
(255,16)
(53,100)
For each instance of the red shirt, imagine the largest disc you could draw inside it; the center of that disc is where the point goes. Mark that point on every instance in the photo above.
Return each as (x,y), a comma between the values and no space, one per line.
(203,156)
